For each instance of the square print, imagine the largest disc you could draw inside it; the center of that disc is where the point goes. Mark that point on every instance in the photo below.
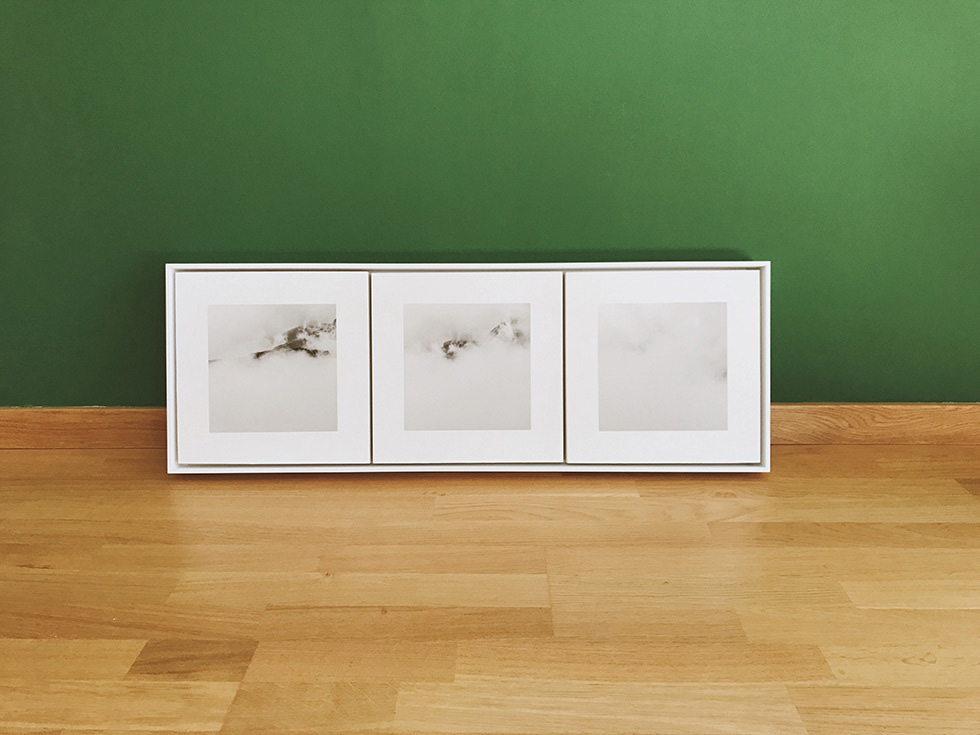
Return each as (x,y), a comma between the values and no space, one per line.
(664,367)
(467,367)
(273,368)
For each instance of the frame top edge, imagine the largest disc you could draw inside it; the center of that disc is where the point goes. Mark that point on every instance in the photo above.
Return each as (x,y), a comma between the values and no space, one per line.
(603,265)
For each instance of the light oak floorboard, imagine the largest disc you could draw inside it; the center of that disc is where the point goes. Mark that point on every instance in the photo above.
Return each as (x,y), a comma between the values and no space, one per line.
(193,660)
(643,660)
(353,660)
(388,623)
(41,659)
(923,594)
(132,706)
(342,707)
(837,594)
(428,559)
(921,665)
(358,589)
(846,625)
(891,709)
(488,704)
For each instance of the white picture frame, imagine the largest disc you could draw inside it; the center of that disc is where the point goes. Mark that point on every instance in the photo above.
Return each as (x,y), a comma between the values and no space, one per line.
(263,377)
(665,367)
(320,459)
(467,367)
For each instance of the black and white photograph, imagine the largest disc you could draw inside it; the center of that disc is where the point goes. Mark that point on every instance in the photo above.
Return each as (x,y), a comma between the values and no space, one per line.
(663,367)
(467,366)
(272,367)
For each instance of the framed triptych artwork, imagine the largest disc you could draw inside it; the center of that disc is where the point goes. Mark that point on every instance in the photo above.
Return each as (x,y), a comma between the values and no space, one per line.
(644,367)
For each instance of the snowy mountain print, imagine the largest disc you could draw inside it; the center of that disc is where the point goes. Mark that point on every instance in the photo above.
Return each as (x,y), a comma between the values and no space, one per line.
(272,367)
(663,367)
(467,366)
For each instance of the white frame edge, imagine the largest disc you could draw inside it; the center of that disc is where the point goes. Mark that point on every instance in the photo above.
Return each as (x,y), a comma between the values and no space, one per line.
(173,467)
(765,464)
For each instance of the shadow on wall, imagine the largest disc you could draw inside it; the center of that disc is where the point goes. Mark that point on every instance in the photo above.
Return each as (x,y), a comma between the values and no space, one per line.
(499,255)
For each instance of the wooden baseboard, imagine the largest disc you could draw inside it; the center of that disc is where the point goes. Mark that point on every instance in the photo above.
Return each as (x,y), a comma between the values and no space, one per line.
(876,423)
(83,428)
(792,423)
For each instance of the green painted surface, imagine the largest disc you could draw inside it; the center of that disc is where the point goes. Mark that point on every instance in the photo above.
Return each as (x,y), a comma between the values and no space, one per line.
(841,140)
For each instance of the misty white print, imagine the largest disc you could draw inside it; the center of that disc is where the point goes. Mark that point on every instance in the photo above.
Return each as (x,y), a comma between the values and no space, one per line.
(272,367)
(467,366)
(663,367)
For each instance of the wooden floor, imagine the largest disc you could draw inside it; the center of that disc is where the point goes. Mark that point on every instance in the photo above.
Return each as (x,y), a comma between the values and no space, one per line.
(839,595)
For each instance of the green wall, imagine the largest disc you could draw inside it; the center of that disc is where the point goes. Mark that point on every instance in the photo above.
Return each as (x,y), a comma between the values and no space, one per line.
(839,139)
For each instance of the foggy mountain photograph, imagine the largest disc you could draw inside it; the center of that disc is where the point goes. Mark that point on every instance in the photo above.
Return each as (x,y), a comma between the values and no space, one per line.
(467,366)
(663,367)
(272,367)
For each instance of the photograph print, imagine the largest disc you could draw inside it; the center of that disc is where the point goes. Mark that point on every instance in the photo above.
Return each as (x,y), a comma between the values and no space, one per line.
(467,367)
(663,367)
(272,367)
